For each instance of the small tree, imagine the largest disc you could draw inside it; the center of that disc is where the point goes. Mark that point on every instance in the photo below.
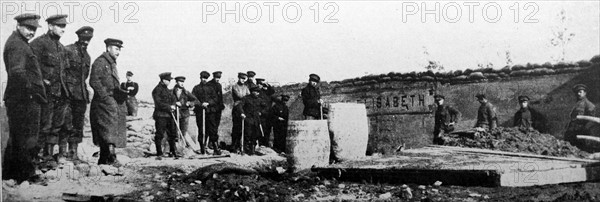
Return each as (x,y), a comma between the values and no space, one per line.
(561,35)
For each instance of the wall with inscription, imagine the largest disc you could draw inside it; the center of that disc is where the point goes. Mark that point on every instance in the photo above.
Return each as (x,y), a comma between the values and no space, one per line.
(401,112)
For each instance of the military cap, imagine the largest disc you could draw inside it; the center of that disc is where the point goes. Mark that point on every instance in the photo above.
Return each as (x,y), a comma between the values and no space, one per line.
(242,75)
(260,81)
(204,74)
(285,97)
(113,42)
(165,76)
(314,77)
(85,32)
(59,19)
(523,98)
(480,96)
(180,78)
(439,96)
(129,73)
(217,74)
(578,87)
(251,73)
(255,88)
(28,19)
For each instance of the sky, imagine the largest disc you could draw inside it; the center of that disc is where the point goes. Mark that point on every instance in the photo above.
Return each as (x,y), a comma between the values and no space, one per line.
(285,41)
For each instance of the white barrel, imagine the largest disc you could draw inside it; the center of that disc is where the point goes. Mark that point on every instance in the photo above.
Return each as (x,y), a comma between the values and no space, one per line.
(307,144)
(349,128)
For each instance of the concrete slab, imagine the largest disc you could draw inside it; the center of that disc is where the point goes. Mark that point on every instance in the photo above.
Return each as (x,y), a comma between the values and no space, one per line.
(465,167)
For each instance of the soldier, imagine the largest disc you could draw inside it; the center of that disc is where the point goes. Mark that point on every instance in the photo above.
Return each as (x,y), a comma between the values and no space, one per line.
(528,117)
(220,104)
(251,82)
(53,59)
(280,116)
(185,101)
(311,98)
(445,118)
(251,108)
(24,96)
(238,91)
(486,115)
(165,104)
(266,93)
(77,73)
(132,103)
(582,107)
(107,105)
(207,103)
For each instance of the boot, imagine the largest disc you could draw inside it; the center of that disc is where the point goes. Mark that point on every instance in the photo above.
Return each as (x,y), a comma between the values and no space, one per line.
(112,156)
(173,149)
(48,160)
(159,152)
(217,151)
(61,157)
(202,148)
(72,154)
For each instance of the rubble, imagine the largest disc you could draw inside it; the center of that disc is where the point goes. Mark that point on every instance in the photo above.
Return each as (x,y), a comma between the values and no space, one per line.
(520,140)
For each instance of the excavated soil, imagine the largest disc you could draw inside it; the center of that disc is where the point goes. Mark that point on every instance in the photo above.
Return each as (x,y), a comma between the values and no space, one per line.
(522,140)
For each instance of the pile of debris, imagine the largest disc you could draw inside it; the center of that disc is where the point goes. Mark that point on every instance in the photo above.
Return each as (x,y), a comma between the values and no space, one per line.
(521,140)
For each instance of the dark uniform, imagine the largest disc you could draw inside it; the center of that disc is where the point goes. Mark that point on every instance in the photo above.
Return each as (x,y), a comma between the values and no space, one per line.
(53,58)
(164,105)
(187,100)
(219,90)
(252,106)
(444,115)
(238,91)
(132,102)
(529,117)
(77,73)
(280,116)
(206,93)
(582,107)
(266,93)
(310,99)
(486,115)
(107,111)
(23,97)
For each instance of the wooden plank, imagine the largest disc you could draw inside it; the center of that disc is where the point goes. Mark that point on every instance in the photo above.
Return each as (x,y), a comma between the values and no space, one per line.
(488,178)
(485,151)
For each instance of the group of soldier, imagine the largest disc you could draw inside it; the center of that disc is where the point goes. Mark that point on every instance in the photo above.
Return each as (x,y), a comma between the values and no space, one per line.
(526,117)
(256,112)
(46,97)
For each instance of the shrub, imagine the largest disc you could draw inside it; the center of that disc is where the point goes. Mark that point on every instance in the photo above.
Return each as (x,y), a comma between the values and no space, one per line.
(476,76)
(560,65)
(584,63)
(519,73)
(491,75)
(517,68)
(457,73)
(505,69)
(595,59)
(467,72)
(427,78)
(460,78)
(547,65)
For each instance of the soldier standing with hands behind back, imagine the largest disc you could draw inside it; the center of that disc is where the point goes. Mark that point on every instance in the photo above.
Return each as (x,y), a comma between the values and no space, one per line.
(25,94)
(132,87)
(77,73)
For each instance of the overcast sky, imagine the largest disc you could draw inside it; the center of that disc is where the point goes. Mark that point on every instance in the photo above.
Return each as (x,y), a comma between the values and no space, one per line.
(361,37)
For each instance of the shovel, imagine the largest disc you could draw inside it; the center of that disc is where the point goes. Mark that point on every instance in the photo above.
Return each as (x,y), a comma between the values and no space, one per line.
(242,142)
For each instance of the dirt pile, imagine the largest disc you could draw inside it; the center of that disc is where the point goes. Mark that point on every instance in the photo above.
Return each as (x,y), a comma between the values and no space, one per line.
(522,140)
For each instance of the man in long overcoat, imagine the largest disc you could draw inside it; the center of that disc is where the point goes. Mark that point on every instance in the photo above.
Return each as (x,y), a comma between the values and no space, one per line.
(24,95)
(107,116)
